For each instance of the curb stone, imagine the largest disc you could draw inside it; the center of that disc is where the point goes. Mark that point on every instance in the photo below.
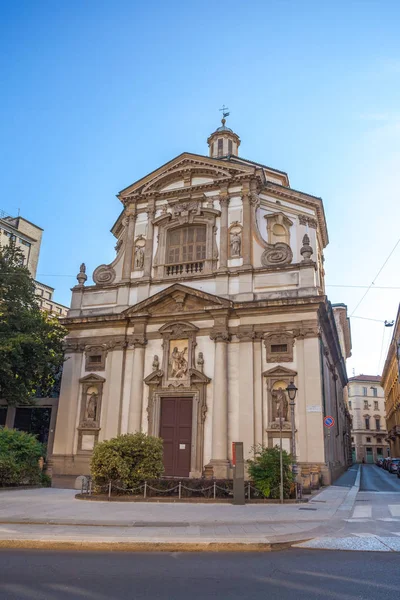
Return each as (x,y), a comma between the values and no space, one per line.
(148,546)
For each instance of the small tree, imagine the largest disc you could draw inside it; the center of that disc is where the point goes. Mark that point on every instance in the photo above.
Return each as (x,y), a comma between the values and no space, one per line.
(19,458)
(264,470)
(127,459)
(31,352)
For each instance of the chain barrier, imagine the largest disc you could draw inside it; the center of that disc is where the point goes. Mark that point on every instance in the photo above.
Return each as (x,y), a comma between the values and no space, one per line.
(87,489)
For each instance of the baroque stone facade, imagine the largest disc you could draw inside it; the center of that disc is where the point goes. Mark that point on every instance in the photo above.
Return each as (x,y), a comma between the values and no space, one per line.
(214,303)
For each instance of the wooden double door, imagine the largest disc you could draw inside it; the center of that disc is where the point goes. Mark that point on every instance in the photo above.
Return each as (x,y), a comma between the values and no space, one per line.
(176,431)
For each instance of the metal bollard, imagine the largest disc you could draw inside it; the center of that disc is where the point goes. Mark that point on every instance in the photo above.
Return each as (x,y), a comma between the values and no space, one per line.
(145,490)
(109,490)
(180,488)
(215,490)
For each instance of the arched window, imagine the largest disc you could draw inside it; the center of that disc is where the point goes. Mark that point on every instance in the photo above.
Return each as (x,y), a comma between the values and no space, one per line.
(186,244)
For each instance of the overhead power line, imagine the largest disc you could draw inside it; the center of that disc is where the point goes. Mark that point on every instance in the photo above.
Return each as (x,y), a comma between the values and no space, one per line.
(376,276)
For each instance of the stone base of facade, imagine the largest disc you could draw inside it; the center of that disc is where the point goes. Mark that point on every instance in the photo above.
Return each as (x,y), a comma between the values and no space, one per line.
(217,469)
(62,465)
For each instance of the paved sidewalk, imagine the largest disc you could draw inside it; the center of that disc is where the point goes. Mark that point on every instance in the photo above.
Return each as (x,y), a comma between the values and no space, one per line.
(53,516)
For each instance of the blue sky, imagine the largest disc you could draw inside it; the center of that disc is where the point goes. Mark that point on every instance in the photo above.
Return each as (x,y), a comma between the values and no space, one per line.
(96,94)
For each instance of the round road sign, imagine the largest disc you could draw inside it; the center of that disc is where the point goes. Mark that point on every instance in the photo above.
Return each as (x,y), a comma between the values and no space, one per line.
(329,421)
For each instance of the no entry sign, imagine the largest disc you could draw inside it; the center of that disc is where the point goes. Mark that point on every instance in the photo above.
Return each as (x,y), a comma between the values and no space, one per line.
(329,421)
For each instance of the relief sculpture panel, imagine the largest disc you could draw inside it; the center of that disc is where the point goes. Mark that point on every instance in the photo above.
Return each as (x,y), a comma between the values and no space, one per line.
(178,359)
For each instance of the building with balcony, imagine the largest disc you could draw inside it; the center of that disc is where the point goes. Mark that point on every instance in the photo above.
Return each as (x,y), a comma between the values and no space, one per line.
(366,401)
(214,303)
(391,385)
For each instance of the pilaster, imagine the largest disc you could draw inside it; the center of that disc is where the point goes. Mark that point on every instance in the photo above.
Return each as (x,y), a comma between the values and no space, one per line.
(138,341)
(148,251)
(129,222)
(246,226)
(223,239)
(219,461)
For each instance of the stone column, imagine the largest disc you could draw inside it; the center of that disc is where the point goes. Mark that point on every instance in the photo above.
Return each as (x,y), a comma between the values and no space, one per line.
(129,221)
(148,251)
(126,393)
(223,234)
(136,399)
(246,389)
(219,461)
(246,241)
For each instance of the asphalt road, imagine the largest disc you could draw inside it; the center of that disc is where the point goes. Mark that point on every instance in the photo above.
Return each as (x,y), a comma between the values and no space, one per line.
(292,574)
(376,479)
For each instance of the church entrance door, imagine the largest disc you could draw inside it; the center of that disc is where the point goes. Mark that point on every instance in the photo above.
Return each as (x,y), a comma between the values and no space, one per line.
(176,431)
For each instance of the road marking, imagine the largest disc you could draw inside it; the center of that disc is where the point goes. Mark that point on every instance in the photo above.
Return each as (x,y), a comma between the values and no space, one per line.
(394,510)
(364,543)
(362,512)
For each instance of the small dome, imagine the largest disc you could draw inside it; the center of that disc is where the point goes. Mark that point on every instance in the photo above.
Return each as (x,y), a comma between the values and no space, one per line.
(223,142)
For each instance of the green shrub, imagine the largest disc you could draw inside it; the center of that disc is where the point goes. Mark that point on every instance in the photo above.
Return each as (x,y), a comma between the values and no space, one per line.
(127,460)
(9,471)
(19,458)
(45,480)
(264,470)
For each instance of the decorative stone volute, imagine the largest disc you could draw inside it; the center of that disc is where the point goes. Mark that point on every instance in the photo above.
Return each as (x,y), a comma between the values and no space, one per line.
(306,249)
(82,277)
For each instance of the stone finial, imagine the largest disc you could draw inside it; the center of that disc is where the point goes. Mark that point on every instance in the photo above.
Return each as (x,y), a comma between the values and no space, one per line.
(306,249)
(82,277)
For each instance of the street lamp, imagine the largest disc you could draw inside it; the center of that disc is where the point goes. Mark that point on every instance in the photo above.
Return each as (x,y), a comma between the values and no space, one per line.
(291,392)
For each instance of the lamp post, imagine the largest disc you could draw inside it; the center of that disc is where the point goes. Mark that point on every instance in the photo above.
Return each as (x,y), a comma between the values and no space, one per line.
(291,392)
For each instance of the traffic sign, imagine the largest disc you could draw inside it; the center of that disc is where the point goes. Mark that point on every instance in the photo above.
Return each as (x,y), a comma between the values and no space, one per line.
(329,421)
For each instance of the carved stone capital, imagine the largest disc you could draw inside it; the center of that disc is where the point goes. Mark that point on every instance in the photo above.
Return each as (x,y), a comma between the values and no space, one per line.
(303,220)
(73,346)
(220,335)
(224,200)
(137,341)
(254,200)
(245,334)
(117,344)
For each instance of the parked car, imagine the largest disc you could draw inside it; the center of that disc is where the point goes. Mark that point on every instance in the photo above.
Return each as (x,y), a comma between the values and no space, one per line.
(393,465)
(385,462)
(379,462)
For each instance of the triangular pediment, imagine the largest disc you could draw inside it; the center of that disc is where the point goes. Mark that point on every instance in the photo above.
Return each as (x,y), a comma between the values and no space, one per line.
(178,300)
(280,372)
(186,170)
(92,377)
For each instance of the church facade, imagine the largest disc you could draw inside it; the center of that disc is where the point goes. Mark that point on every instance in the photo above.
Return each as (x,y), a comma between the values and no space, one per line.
(214,303)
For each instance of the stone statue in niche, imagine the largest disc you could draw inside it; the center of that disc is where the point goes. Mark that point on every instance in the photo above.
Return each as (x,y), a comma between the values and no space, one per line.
(200,362)
(156,363)
(281,404)
(178,360)
(236,243)
(91,408)
(139,258)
